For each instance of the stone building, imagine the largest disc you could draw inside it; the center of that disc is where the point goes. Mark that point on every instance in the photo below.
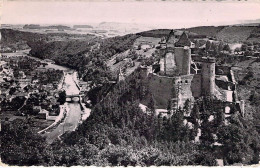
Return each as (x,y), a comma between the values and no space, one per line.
(176,83)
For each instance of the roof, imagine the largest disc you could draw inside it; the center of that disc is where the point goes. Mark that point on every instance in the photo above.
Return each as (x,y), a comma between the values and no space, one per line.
(183,41)
(171,38)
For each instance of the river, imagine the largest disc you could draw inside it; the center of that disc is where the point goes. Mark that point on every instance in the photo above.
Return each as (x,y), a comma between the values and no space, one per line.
(74,111)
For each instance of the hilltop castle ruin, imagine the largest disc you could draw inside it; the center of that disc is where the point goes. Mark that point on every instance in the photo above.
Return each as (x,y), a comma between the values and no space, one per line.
(178,77)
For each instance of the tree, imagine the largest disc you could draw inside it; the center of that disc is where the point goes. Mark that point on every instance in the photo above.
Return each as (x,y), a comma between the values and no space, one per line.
(12,90)
(62,97)
(243,47)
(220,46)
(208,45)
(151,104)
(227,48)
(237,50)
(248,53)
(20,145)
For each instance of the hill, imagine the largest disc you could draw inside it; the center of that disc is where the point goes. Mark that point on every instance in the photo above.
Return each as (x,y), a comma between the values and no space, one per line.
(229,34)
(82,26)
(18,40)
(159,33)
(36,26)
(211,31)
(235,33)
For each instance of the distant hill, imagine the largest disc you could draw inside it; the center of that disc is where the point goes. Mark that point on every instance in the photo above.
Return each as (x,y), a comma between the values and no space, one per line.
(82,26)
(56,27)
(235,33)
(16,39)
(211,31)
(123,27)
(36,26)
(230,34)
(159,33)
(246,22)
(31,26)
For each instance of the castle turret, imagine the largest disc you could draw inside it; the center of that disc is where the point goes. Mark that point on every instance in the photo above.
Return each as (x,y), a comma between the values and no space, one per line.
(208,76)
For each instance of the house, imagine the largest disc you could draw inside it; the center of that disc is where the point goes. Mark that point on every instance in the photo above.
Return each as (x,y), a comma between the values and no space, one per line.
(49,86)
(2,77)
(49,61)
(37,109)
(41,69)
(35,81)
(43,114)
(21,94)
(35,91)
(21,74)
(57,95)
(2,97)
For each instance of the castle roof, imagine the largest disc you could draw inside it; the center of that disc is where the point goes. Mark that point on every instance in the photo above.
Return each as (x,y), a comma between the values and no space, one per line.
(171,38)
(183,41)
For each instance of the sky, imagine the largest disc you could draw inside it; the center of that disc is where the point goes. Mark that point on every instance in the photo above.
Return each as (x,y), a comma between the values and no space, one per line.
(157,14)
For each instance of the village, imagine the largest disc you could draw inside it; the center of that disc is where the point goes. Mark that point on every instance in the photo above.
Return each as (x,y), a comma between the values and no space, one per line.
(35,88)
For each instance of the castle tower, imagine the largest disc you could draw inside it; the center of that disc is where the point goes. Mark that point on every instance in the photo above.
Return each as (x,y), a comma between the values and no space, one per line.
(208,76)
(186,62)
(170,64)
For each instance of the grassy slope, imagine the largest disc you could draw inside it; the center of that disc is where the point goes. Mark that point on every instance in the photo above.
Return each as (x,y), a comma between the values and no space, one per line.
(206,30)
(229,34)
(255,35)
(235,33)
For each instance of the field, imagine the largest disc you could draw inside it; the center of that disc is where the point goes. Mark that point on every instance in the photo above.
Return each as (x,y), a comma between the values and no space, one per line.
(235,33)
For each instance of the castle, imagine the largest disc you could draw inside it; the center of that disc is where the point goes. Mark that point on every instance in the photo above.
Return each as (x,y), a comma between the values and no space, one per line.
(177,77)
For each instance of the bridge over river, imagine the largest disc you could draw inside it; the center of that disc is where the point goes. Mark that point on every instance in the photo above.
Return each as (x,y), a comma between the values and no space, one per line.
(73,108)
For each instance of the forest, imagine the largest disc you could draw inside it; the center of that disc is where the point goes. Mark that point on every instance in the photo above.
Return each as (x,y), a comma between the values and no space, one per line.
(118,133)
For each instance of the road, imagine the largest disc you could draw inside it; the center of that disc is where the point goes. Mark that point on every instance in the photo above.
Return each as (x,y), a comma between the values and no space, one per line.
(73,115)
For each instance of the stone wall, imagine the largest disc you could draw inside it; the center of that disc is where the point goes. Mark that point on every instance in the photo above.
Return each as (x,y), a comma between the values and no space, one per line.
(183,88)
(170,65)
(183,59)
(161,87)
(164,89)
(196,85)
(179,53)
(186,63)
